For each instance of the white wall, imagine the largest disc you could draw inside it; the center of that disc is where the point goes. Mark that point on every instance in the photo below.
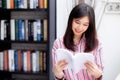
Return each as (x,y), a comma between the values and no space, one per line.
(63,9)
(61,24)
(108,32)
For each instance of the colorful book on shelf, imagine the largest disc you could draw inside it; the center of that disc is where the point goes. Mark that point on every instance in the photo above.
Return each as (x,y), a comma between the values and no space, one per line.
(41,3)
(11,60)
(41,61)
(16,59)
(24,60)
(1,61)
(5,60)
(44,61)
(21,30)
(12,30)
(37,61)
(7,30)
(20,58)
(45,27)
(26,30)
(4,3)
(28,60)
(2,30)
(33,62)
(16,29)
(11,4)
(45,4)
(39,30)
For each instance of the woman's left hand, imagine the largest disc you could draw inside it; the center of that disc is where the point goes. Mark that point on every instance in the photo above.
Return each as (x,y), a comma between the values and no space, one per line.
(93,69)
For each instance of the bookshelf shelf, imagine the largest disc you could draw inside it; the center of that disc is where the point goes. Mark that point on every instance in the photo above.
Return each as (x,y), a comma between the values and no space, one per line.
(30,46)
(33,14)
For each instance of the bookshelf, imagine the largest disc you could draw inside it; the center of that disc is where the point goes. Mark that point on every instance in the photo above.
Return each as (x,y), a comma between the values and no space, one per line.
(26,35)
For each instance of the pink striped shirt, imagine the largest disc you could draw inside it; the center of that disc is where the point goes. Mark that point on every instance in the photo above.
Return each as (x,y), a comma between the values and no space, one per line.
(82,74)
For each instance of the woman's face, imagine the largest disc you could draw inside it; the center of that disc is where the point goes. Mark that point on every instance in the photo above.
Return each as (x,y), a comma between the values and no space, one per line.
(80,25)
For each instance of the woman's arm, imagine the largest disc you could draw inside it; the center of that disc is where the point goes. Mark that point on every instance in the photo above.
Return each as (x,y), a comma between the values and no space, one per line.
(96,69)
(58,67)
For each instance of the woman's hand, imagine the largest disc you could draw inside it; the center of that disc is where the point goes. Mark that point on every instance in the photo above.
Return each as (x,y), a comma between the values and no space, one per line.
(58,68)
(93,69)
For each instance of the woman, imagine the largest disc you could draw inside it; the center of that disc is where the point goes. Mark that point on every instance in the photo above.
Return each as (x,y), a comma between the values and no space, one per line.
(80,36)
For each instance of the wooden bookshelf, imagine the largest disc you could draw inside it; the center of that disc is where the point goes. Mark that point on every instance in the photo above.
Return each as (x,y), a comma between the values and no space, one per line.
(39,39)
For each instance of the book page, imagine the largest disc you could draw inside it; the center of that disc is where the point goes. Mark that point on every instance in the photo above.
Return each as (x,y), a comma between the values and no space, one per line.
(65,54)
(80,59)
(75,62)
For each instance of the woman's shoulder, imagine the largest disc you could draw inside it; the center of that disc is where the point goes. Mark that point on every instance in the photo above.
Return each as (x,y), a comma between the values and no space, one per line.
(100,44)
(59,39)
(59,42)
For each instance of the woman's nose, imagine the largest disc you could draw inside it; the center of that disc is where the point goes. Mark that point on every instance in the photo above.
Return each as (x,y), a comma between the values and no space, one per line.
(80,26)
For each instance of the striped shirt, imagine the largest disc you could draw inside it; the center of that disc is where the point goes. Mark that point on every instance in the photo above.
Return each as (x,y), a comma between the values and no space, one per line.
(83,74)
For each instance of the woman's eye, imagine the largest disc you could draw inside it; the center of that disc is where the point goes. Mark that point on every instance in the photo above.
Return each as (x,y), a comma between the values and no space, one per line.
(77,22)
(85,24)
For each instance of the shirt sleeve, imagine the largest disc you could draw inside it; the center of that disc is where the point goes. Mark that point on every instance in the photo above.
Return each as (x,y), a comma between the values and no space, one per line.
(56,45)
(99,58)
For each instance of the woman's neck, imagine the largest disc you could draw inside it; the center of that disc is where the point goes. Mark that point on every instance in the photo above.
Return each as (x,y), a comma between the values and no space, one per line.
(76,39)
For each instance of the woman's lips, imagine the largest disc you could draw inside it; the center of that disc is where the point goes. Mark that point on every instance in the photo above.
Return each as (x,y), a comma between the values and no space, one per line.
(77,31)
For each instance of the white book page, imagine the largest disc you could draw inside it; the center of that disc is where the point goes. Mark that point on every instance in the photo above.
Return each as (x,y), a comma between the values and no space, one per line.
(75,62)
(65,54)
(80,59)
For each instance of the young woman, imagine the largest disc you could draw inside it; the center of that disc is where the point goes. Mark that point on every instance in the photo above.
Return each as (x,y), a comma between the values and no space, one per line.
(80,36)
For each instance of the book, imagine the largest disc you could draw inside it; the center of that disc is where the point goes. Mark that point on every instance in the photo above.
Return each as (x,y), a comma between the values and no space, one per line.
(5,58)
(16,60)
(33,62)
(1,61)
(20,58)
(75,60)
(11,60)
(41,61)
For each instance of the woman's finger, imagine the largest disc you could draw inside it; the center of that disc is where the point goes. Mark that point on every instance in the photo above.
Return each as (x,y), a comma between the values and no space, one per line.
(93,69)
(62,63)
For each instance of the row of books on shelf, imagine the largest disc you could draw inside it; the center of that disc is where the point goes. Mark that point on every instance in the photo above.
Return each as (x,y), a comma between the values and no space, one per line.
(24,4)
(23,30)
(20,60)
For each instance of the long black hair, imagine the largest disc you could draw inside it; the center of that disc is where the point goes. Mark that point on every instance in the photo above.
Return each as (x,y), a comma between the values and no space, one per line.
(79,11)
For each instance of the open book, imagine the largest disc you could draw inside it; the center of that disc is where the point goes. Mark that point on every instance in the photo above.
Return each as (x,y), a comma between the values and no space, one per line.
(75,62)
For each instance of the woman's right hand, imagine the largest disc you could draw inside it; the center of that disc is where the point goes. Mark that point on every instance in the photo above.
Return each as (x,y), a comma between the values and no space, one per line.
(58,68)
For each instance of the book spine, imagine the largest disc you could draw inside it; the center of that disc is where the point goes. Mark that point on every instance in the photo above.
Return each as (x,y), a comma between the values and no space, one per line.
(33,62)
(2,29)
(45,29)
(41,61)
(37,61)
(20,58)
(6,60)
(11,60)
(1,61)
(12,25)
(24,61)
(28,60)
(16,60)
